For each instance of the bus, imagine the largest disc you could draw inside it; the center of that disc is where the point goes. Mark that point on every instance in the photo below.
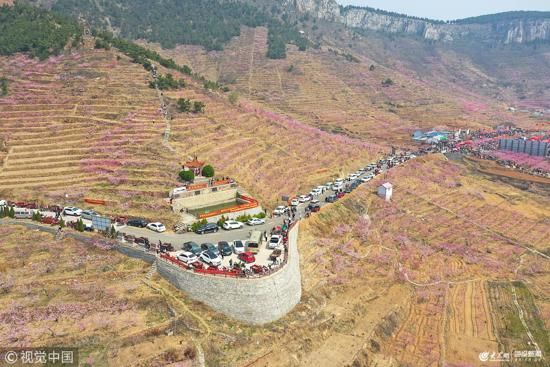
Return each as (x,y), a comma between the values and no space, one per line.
(253,244)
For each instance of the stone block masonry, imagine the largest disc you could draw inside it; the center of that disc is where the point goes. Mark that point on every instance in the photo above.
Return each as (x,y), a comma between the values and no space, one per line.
(253,301)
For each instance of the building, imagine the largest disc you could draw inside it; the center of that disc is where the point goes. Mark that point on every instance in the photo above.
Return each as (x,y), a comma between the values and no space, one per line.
(194,165)
(430,137)
(535,146)
(385,191)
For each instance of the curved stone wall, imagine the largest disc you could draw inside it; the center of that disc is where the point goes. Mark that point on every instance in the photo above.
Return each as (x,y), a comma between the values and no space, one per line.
(255,300)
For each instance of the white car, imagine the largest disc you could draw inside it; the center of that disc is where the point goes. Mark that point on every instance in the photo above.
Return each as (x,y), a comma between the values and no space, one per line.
(316,192)
(339,181)
(303,198)
(337,186)
(232,224)
(3,203)
(295,202)
(255,221)
(280,210)
(71,210)
(328,185)
(366,179)
(156,226)
(239,247)
(187,257)
(211,258)
(275,241)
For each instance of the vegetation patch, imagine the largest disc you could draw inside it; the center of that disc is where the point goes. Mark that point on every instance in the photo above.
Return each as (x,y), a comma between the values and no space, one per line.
(36,31)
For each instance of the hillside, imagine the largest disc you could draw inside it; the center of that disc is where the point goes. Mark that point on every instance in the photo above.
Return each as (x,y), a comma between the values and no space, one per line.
(38,32)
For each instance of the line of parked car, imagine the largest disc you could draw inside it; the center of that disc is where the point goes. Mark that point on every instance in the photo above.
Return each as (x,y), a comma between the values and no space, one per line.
(342,186)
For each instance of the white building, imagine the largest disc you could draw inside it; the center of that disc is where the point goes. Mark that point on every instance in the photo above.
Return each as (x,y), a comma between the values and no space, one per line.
(385,191)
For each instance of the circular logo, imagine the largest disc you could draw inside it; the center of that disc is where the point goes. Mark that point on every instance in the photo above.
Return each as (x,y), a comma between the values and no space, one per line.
(484,356)
(10,357)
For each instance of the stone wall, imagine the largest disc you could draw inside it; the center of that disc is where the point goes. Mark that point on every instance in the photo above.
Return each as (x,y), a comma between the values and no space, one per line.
(255,300)
(137,253)
(203,200)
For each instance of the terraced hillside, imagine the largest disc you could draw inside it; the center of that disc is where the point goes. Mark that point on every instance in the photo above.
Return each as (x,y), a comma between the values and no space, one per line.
(83,124)
(325,89)
(438,255)
(86,124)
(270,154)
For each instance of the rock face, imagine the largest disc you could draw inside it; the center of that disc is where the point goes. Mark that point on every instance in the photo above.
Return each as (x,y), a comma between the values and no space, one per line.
(519,30)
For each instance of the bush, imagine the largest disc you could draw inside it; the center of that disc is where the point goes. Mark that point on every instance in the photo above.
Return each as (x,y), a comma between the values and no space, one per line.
(197,224)
(188,176)
(184,105)
(80,225)
(208,171)
(61,223)
(198,106)
(233,97)
(11,212)
(260,215)
(4,87)
(387,82)
(222,220)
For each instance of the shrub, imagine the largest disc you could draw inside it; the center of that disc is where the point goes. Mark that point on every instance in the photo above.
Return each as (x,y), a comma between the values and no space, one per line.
(3,87)
(233,97)
(260,215)
(208,171)
(188,176)
(80,225)
(198,106)
(11,212)
(222,220)
(61,223)
(387,82)
(197,224)
(184,105)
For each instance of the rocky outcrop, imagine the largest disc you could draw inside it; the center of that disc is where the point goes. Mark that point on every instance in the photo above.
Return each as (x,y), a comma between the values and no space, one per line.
(521,30)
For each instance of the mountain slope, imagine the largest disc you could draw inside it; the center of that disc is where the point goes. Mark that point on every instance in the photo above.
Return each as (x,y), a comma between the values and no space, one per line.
(512,27)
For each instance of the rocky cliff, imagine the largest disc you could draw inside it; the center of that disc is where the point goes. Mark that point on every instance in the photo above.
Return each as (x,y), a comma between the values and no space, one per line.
(510,28)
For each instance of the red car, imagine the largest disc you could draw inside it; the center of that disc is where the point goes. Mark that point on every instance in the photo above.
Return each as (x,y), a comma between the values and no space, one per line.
(248,257)
(340,195)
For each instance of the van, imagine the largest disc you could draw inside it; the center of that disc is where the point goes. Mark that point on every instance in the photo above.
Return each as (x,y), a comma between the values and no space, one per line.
(177,191)
(253,244)
(3,203)
(23,213)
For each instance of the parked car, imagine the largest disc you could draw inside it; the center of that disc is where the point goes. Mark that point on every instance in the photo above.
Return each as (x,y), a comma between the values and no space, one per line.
(337,186)
(366,178)
(255,221)
(23,213)
(275,241)
(315,192)
(232,224)
(88,214)
(156,226)
(239,247)
(224,248)
(3,203)
(331,198)
(315,208)
(295,202)
(192,247)
(303,198)
(247,257)
(348,189)
(137,222)
(211,258)
(71,210)
(187,257)
(340,195)
(207,228)
(210,247)
(280,210)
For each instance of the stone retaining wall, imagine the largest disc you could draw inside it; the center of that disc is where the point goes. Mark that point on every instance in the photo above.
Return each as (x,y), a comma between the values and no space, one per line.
(253,300)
